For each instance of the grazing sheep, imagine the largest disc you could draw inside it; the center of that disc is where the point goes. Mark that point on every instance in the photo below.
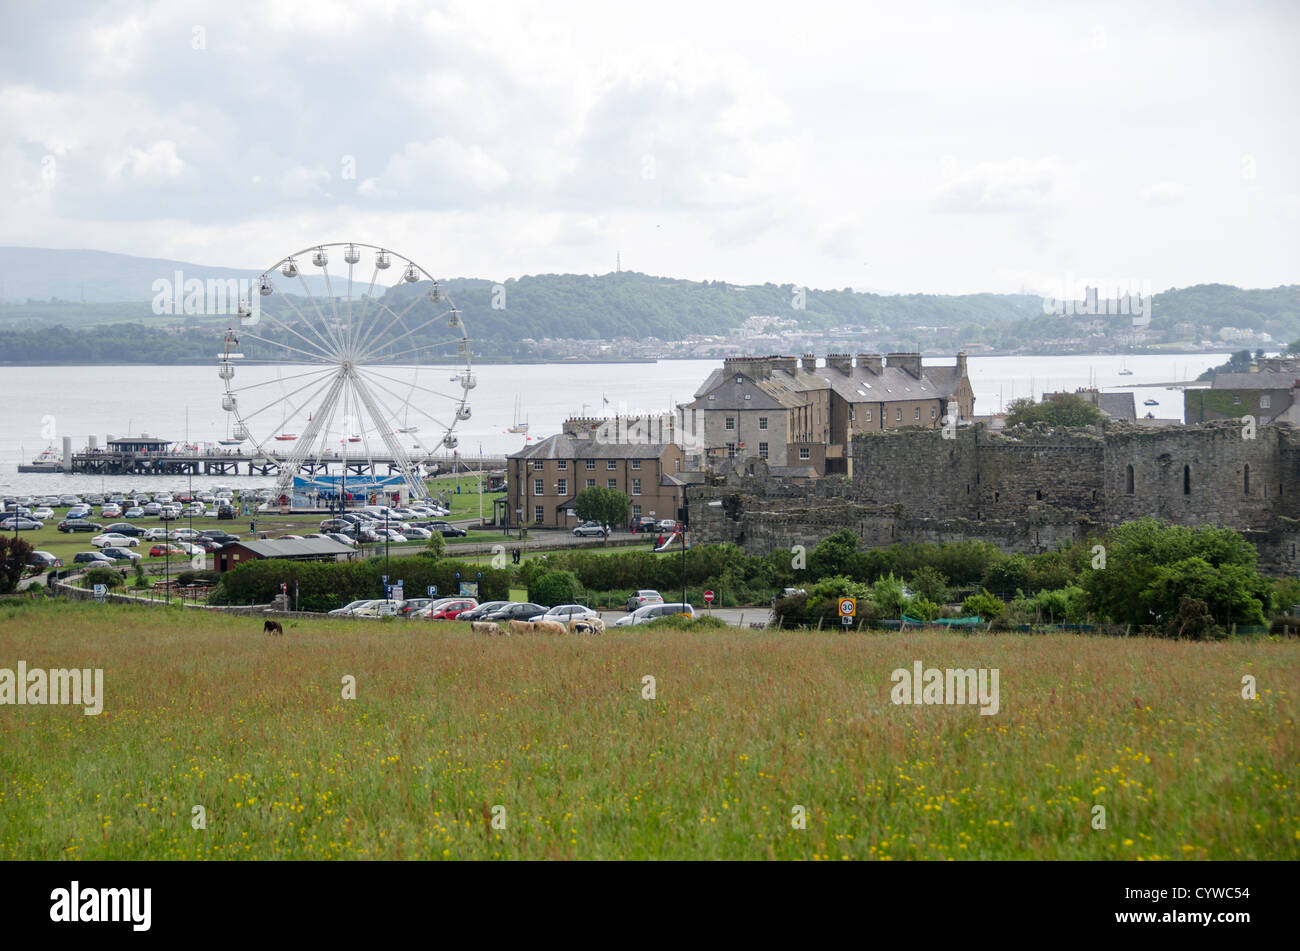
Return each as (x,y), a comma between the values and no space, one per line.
(549,627)
(521,627)
(486,627)
(593,626)
(272,627)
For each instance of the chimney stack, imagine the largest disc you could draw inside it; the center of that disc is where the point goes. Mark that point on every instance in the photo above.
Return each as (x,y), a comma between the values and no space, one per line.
(871,361)
(961,364)
(911,362)
(789,364)
(840,361)
(810,362)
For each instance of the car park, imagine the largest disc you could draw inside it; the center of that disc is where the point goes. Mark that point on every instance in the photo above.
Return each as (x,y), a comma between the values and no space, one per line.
(79,525)
(347,609)
(639,599)
(653,612)
(588,529)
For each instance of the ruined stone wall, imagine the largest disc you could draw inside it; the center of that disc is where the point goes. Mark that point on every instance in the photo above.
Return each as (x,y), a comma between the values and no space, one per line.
(1026,490)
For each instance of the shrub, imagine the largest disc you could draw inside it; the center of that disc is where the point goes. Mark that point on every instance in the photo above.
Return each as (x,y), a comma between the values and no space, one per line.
(554,587)
(929,583)
(986,605)
(887,595)
(436,546)
(110,577)
(923,609)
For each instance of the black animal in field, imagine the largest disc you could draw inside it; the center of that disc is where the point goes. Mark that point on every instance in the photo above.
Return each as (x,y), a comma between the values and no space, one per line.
(272,627)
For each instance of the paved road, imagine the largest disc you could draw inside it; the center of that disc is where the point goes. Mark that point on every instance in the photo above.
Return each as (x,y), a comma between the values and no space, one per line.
(737,617)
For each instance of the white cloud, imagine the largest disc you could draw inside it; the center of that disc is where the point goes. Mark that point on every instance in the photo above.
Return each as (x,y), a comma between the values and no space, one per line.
(1163,193)
(1014,185)
(158,162)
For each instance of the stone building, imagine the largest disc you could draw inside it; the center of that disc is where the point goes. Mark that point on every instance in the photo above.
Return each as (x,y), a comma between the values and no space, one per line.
(545,478)
(1026,489)
(1270,393)
(800,418)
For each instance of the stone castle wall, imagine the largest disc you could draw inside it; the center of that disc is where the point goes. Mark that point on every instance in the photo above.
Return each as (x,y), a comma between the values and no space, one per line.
(1025,490)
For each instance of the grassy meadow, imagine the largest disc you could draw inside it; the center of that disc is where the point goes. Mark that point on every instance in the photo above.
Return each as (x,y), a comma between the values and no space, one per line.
(202,709)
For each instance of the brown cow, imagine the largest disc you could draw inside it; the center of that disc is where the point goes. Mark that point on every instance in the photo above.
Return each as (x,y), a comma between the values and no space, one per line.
(272,627)
(549,627)
(486,627)
(521,627)
(593,626)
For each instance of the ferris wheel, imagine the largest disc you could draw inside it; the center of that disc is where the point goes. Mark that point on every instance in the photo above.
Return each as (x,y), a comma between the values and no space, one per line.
(339,344)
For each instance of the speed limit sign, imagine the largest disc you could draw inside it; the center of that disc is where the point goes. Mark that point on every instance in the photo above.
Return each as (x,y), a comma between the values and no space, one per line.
(848,607)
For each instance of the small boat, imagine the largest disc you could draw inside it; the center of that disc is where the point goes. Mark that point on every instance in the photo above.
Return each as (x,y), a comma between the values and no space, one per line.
(49,459)
(1150,402)
(287,437)
(354,438)
(230,442)
(518,426)
(1124,370)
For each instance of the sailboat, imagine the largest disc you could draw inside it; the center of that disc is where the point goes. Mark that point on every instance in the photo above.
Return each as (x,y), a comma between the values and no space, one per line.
(1124,370)
(518,426)
(406,426)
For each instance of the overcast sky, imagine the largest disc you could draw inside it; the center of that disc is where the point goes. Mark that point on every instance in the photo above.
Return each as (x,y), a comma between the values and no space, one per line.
(901,147)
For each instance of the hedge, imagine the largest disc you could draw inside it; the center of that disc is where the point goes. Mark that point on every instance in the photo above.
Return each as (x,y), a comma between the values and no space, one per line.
(335,583)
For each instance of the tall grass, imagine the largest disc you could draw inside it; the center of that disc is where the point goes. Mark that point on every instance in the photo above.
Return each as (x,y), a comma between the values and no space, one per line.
(202,709)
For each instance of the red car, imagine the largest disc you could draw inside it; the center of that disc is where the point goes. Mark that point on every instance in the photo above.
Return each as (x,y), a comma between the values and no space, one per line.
(157,551)
(451,609)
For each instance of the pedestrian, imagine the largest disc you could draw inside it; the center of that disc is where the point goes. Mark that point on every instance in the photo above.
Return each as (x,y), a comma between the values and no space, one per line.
(607,529)
(659,542)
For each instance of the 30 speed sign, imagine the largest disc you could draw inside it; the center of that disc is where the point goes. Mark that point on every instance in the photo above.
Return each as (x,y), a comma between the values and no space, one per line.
(848,607)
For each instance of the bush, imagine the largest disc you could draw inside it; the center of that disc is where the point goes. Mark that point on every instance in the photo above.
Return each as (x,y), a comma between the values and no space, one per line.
(986,605)
(554,588)
(923,609)
(436,546)
(258,582)
(929,583)
(110,577)
(887,595)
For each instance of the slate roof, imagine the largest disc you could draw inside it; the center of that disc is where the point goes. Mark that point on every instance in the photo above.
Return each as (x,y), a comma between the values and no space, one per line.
(1117,405)
(1255,381)
(296,547)
(564,446)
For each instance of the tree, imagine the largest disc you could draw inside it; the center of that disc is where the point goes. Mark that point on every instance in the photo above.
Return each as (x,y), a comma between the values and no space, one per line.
(1067,409)
(929,583)
(607,506)
(985,605)
(1151,567)
(436,546)
(14,553)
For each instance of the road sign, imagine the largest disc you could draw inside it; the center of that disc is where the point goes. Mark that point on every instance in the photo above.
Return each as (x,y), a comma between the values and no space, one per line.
(708,597)
(848,607)
(396,592)
(846,620)
(101,591)
(433,590)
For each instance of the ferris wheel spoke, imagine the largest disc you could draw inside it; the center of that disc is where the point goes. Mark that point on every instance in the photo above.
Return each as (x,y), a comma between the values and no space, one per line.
(375,338)
(302,279)
(355,331)
(463,341)
(424,389)
(318,384)
(325,429)
(399,456)
(303,446)
(316,357)
(236,391)
(324,343)
(378,344)
(429,416)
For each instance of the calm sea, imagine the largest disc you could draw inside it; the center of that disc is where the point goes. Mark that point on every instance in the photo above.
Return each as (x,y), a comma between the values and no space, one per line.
(43,404)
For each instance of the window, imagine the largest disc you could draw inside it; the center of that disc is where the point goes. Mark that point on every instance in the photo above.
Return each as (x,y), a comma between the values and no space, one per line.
(1265,401)
(866,415)
(805,453)
(731,423)
(591,463)
(762,450)
(562,487)
(591,483)
(636,464)
(636,486)
(611,483)
(539,513)
(762,422)
(636,511)
(731,450)
(562,464)
(898,415)
(934,413)
(1236,398)
(916,413)
(712,396)
(537,465)
(1187,480)
(539,487)
(1245,481)
(1128,479)
(611,464)
(677,465)
(739,378)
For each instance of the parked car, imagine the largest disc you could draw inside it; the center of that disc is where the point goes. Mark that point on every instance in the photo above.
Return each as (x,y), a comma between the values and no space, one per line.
(393,535)
(516,611)
(160,551)
(80,525)
(133,512)
(120,554)
(191,548)
(126,528)
(334,524)
(413,606)
(448,610)
(111,511)
(152,508)
(564,613)
(225,511)
(639,599)
(482,611)
(218,534)
(415,532)
(588,529)
(667,526)
(645,523)
(652,612)
(43,559)
(91,558)
(380,608)
(42,513)
(447,529)
(21,523)
(341,538)
(155,534)
(114,540)
(347,609)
